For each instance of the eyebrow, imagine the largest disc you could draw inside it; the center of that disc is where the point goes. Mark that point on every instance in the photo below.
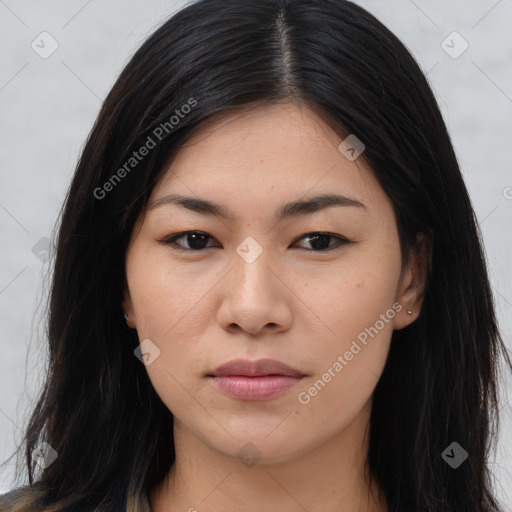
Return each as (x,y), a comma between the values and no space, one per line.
(293,209)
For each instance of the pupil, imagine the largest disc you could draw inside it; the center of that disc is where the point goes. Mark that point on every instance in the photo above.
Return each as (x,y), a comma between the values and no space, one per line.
(313,240)
(195,240)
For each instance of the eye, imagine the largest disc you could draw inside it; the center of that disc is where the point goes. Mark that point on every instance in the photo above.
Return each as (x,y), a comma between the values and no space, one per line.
(197,239)
(320,241)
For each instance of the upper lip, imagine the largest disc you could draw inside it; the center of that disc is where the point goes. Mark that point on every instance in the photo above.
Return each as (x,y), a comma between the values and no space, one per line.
(255,368)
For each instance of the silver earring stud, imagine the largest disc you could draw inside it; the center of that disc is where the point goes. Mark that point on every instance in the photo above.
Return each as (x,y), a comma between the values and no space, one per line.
(409,311)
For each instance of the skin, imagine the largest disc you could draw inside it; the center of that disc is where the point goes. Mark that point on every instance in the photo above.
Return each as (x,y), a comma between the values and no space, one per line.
(292,303)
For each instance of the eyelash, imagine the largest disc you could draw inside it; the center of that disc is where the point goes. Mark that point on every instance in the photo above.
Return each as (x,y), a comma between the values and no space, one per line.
(171,241)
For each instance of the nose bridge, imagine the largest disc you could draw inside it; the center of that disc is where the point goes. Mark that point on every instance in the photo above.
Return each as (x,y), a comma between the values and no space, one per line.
(252,261)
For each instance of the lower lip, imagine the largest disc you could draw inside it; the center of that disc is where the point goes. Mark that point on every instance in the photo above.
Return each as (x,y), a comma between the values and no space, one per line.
(254,389)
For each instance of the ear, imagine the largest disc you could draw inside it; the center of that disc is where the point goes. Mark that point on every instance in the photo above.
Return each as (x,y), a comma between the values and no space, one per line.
(128,309)
(413,281)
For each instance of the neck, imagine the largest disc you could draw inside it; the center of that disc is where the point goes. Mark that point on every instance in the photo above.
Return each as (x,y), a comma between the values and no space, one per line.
(329,477)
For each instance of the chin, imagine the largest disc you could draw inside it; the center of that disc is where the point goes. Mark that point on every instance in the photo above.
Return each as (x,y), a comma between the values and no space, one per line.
(262,448)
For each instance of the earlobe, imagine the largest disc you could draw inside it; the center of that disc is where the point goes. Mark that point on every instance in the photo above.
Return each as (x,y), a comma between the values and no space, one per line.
(414,282)
(127,311)
(404,318)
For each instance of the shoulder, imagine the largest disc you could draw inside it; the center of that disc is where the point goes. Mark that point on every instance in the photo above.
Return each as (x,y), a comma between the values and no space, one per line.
(22,498)
(11,497)
(35,498)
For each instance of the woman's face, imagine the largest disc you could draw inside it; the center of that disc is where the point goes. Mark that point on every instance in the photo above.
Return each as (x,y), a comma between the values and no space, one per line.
(252,285)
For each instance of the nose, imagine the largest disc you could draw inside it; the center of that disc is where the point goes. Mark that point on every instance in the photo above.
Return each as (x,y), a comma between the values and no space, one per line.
(255,296)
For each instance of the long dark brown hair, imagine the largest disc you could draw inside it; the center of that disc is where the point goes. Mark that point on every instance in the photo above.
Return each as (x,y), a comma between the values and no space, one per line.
(98,409)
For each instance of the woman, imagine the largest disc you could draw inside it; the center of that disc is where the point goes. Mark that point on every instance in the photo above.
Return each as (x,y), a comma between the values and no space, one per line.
(207,352)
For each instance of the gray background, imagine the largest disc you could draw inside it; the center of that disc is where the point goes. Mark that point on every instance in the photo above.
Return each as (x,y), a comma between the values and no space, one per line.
(48,107)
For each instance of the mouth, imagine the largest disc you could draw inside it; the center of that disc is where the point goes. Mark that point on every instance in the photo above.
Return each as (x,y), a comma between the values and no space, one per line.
(254,380)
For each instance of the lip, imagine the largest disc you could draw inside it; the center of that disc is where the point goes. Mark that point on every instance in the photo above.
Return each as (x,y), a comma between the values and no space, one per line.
(254,380)
(258,368)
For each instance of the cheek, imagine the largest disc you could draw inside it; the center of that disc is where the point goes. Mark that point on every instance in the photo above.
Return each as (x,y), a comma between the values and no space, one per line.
(168,299)
(359,307)
(169,306)
(352,294)
(348,366)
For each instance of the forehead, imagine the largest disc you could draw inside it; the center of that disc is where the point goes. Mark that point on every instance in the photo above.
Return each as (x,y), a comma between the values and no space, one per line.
(266,155)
